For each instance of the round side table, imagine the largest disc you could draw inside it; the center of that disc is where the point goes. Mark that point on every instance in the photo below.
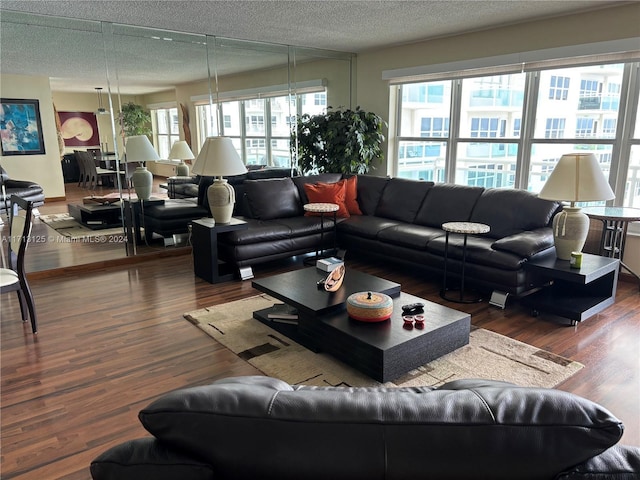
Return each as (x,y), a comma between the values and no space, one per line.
(464,228)
(615,221)
(322,209)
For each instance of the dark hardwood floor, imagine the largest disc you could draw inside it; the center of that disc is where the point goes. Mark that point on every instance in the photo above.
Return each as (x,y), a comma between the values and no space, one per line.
(112,338)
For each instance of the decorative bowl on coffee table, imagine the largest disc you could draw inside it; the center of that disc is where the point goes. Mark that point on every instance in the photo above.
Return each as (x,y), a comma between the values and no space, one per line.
(369,306)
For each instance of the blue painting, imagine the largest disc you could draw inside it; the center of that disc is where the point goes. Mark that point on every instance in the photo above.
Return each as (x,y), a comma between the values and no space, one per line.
(21,127)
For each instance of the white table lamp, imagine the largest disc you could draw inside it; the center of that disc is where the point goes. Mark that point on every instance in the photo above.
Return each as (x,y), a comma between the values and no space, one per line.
(218,157)
(139,149)
(576,178)
(180,150)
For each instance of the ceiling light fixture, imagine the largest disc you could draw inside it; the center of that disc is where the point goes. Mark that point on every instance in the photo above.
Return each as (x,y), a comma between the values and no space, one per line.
(101,110)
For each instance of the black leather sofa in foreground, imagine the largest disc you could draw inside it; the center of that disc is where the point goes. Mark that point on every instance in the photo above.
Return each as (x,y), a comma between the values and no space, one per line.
(263,428)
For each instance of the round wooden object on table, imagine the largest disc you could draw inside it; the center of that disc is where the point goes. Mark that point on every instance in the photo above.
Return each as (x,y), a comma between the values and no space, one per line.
(369,306)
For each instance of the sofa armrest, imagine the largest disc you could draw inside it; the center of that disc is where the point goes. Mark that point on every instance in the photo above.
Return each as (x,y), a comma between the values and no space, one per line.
(619,462)
(176,180)
(147,458)
(20,184)
(526,244)
(182,187)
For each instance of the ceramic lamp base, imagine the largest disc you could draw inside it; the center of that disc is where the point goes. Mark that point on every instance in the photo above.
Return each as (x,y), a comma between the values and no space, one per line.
(182,170)
(570,229)
(142,183)
(222,198)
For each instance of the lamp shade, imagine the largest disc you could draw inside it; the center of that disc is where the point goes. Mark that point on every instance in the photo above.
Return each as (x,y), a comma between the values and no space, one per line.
(139,149)
(577,178)
(181,151)
(218,158)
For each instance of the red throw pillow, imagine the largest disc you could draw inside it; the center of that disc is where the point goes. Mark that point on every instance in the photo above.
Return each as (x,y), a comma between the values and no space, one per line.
(351,195)
(327,193)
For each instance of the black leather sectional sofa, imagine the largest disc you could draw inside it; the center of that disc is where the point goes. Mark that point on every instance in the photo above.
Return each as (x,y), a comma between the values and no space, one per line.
(24,189)
(263,428)
(401,222)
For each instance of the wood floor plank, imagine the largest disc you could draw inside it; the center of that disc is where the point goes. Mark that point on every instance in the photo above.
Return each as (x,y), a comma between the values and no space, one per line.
(113,338)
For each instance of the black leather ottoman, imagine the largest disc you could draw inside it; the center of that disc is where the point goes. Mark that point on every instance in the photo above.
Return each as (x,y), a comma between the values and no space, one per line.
(171,218)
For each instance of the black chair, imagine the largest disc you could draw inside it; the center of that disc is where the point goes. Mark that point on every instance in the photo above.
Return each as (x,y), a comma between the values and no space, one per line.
(14,278)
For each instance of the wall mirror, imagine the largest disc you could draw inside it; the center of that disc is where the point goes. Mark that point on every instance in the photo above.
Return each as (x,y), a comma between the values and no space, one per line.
(250,91)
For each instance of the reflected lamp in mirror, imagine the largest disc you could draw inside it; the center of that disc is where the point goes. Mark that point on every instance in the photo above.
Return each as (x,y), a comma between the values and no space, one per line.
(576,178)
(139,149)
(218,158)
(180,151)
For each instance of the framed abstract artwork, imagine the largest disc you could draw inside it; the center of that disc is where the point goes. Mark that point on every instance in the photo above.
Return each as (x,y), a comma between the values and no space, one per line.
(79,129)
(21,127)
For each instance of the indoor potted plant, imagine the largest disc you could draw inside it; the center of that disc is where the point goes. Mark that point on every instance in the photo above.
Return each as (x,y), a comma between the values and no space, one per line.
(339,141)
(135,120)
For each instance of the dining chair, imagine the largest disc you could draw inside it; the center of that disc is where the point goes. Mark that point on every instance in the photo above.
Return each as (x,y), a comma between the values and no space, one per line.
(14,278)
(83,177)
(94,173)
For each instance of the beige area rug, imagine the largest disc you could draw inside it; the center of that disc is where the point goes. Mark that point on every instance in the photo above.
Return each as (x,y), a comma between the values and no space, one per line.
(488,355)
(68,227)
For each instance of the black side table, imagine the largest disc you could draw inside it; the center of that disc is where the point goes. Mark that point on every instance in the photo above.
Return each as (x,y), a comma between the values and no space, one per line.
(465,228)
(204,241)
(322,209)
(573,293)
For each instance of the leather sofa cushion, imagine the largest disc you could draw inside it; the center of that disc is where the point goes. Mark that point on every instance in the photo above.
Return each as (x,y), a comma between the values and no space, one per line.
(620,462)
(448,203)
(479,252)
(409,235)
(176,209)
(525,244)
(148,458)
(288,431)
(366,226)
(509,211)
(273,198)
(260,231)
(402,198)
(370,190)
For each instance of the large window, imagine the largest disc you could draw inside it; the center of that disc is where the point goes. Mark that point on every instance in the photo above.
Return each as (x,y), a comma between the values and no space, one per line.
(260,127)
(510,130)
(166,132)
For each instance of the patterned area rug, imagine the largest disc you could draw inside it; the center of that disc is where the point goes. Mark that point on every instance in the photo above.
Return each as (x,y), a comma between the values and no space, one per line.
(488,355)
(68,227)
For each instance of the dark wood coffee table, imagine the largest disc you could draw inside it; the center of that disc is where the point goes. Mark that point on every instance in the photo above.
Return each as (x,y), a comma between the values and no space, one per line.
(384,350)
(96,216)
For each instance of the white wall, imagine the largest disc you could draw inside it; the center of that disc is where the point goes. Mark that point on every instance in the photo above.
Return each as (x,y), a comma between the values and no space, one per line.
(43,169)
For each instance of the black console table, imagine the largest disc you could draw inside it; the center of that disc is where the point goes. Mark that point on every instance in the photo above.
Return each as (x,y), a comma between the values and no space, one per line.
(574,293)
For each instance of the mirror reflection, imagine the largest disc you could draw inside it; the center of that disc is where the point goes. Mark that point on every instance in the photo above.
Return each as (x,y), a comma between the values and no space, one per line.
(88,77)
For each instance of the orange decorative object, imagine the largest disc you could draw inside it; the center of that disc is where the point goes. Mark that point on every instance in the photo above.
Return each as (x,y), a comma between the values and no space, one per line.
(369,306)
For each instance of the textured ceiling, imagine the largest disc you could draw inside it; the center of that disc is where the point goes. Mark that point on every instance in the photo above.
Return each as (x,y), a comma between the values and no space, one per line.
(347,26)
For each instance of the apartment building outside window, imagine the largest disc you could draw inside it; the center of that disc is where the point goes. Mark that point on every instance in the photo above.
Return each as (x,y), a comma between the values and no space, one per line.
(258,141)
(509,130)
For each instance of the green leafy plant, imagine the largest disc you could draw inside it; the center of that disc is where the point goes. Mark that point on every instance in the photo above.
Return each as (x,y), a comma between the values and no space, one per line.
(339,141)
(135,120)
